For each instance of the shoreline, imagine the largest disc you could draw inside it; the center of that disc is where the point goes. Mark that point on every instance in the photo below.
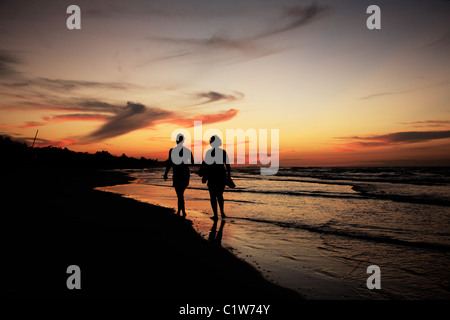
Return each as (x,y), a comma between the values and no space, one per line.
(124,248)
(296,252)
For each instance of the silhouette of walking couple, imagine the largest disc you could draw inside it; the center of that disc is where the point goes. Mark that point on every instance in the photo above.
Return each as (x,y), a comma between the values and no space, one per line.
(215,169)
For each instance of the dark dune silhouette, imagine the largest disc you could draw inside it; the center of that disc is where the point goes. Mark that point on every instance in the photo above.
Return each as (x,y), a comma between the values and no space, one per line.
(124,248)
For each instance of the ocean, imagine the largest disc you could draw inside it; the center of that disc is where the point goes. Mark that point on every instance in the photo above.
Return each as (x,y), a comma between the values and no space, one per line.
(317,230)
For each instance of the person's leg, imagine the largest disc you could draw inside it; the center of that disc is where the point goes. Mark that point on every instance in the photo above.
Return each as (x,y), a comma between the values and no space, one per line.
(183,210)
(180,196)
(220,200)
(212,197)
(178,204)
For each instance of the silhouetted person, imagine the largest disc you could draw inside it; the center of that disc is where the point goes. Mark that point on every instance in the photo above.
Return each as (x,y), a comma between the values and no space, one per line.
(215,169)
(179,158)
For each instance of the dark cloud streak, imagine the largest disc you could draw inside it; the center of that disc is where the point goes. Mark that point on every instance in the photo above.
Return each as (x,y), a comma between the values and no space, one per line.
(428,123)
(298,16)
(7,61)
(77,117)
(133,117)
(381,94)
(391,139)
(443,41)
(66,85)
(292,18)
(213,96)
(390,93)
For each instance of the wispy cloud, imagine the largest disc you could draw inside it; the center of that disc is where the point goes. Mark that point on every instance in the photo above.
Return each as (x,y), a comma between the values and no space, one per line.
(68,101)
(94,105)
(135,116)
(389,139)
(132,117)
(398,92)
(297,17)
(65,85)
(213,96)
(26,125)
(428,123)
(77,117)
(206,119)
(11,78)
(119,119)
(382,94)
(442,41)
(290,18)
(61,84)
(7,62)
(40,93)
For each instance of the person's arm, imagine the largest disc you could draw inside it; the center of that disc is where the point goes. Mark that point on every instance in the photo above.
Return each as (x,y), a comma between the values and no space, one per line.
(168,164)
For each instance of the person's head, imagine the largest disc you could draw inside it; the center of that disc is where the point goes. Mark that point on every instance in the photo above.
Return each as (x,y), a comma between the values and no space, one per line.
(180,139)
(215,141)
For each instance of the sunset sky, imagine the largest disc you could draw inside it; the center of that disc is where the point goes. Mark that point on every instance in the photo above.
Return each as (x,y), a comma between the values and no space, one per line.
(339,93)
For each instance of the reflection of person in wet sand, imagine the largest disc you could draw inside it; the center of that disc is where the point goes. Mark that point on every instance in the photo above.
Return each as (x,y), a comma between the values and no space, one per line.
(216,169)
(215,236)
(179,158)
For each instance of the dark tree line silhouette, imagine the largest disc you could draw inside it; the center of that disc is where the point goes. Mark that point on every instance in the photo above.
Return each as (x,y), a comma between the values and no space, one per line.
(14,152)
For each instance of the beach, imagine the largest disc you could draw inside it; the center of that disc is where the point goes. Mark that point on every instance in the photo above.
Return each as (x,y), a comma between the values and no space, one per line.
(125,249)
(303,234)
(318,230)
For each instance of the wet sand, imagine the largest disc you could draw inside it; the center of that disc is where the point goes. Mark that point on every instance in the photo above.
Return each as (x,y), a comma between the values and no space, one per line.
(52,218)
